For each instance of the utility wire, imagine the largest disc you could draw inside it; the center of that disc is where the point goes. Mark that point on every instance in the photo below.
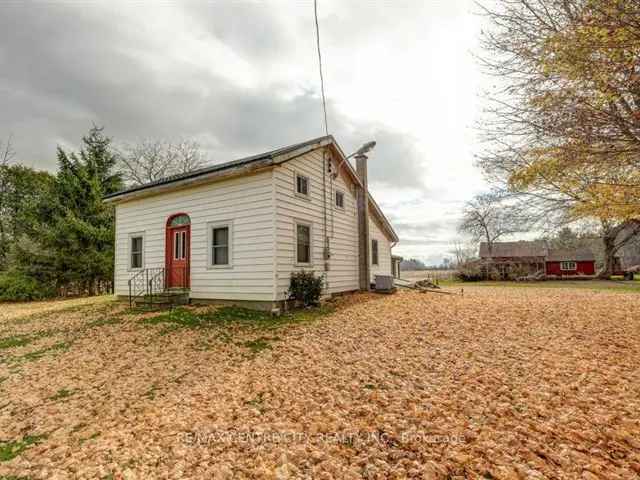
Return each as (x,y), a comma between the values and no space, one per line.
(324,102)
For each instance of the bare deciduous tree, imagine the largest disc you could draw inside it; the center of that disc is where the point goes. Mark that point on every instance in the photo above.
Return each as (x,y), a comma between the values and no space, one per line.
(151,160)
(463,252)
(488,218)
(7,153)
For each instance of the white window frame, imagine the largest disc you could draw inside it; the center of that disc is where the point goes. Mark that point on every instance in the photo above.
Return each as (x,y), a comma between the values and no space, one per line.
(131,236)
(377,264)
(335,200)
(306,196)
(569,266)
(302,223)
(221,224)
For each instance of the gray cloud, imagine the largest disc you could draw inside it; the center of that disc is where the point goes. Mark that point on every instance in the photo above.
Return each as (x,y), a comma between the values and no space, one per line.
(67,66)
(409,242)
(251,29)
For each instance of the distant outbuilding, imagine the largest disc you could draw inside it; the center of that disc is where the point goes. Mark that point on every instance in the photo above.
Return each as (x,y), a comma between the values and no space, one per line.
(535,257)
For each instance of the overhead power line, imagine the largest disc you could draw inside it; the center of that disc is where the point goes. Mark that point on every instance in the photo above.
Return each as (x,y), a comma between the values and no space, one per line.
(324,102)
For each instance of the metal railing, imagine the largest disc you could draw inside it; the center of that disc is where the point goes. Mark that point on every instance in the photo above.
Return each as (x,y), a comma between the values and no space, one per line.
(138,286)
(154,281)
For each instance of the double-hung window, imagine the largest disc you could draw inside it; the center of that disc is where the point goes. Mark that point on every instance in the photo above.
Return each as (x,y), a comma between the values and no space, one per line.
(567,266)
(136,250)
(374,252)
(339,199)
(303,244)
(220,239)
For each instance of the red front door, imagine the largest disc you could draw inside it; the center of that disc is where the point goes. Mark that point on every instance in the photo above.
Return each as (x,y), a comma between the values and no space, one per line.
(177,256)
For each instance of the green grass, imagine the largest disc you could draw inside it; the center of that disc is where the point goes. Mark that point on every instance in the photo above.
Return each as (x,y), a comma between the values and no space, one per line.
(62,393)
(151,393)
(36,355)
(15,341)
(257,403)
(11,449)
(234,316)
(259,344)
(226,320)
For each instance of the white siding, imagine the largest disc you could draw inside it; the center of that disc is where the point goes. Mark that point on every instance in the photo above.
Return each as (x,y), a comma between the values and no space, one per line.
(247,202)
(263,209)
(384,249)
(342,227)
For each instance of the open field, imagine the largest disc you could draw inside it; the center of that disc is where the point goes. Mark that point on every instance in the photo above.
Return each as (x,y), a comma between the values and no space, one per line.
(502,383)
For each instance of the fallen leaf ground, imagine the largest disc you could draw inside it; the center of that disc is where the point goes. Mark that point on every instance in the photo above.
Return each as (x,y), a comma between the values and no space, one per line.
(501,383)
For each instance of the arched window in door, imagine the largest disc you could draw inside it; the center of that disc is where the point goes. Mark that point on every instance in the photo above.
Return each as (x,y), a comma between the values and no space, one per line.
(179,220)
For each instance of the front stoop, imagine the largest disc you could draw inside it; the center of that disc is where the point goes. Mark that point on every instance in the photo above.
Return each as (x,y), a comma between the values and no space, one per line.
(167,299)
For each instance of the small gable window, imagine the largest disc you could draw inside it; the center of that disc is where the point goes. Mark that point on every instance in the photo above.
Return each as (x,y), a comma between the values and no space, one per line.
(339,199)
(302,185)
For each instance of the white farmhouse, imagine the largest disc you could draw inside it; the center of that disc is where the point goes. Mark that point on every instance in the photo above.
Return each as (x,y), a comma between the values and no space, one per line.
(234,232)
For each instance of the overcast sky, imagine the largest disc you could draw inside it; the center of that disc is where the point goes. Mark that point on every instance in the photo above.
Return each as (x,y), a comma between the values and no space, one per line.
(242,78)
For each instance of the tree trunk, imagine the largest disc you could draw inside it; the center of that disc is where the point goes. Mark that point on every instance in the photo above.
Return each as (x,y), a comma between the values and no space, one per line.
(628,229)
(609,243)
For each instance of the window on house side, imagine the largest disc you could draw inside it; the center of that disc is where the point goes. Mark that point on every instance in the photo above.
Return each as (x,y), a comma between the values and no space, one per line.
(302,185)
(339,199)
(303,244)
(220,246)
(136,252)
(374,252)
(568,266)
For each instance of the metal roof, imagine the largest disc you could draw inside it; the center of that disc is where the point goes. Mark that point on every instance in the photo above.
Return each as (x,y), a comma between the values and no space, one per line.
(218,167)
(521,248)
(571,254)
(262,160)
(536,248)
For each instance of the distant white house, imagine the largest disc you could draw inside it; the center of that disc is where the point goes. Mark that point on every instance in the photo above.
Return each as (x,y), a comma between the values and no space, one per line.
(235,231)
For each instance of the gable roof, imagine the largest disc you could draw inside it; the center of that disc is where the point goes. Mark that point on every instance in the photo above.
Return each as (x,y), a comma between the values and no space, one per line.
(244,166)
(571,254)
(202,175)
(536,248)
(521,248)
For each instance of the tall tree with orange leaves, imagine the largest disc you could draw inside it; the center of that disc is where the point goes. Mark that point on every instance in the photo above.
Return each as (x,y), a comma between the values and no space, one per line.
(562,129)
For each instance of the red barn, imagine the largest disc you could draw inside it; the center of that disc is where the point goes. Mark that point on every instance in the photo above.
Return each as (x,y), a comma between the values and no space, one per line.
(579,261)
(516,259)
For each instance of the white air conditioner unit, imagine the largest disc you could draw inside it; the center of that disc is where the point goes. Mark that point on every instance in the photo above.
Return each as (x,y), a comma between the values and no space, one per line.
(384,283)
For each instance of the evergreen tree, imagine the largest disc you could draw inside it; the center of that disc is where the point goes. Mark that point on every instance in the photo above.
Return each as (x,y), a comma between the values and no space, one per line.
(80,236)
(24,206)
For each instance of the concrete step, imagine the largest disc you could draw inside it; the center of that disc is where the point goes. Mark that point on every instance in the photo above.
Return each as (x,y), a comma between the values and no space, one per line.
(164,299)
